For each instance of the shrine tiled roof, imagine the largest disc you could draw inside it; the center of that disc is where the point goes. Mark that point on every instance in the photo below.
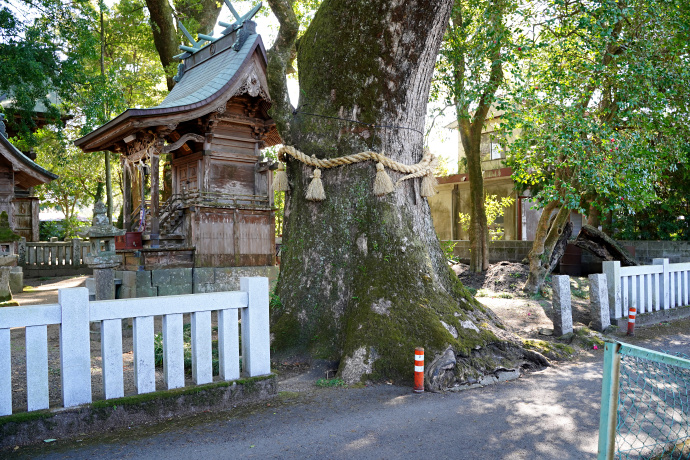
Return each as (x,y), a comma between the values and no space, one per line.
(27,172)
(202,81)
(203,78)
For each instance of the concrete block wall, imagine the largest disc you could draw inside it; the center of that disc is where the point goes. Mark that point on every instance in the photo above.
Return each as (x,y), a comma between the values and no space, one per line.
(510,250)
(645,251)
(178,281)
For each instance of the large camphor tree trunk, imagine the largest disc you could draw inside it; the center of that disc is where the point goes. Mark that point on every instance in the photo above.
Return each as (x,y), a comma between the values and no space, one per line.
(363,279)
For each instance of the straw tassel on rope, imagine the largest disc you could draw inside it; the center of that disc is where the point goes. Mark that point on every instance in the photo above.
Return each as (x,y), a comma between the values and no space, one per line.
(382,183)
(315,190)
(280,183)
(429,183)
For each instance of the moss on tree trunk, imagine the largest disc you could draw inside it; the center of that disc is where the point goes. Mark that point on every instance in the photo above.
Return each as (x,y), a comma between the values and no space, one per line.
(363,278)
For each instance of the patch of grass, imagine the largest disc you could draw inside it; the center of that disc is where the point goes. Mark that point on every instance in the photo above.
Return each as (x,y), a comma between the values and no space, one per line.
(29,289)
(481,293)
(516,275)
(505,295)
(580,294)
(588,338)
(550,349)
(287,394)
(324,383)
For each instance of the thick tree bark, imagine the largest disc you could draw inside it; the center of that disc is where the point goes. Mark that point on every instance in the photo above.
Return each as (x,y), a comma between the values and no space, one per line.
(363,279)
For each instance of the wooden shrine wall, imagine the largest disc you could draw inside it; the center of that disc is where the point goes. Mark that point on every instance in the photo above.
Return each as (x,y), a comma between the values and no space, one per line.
(233,237)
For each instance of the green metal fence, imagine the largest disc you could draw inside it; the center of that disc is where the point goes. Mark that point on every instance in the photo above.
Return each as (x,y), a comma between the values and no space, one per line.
(645,405)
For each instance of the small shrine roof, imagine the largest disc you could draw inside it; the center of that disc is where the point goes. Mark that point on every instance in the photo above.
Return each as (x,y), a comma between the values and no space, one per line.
(205,77)
(26,172)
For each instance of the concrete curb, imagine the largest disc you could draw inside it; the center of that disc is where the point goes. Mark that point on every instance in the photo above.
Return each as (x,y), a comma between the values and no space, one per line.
(656,317)
(33,427)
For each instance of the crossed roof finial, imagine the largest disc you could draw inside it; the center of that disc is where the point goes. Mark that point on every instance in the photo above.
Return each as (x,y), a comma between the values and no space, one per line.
(229,28)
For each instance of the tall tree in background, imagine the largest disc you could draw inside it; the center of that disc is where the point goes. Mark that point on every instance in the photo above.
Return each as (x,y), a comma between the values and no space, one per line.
(78,181)
(363,279)
(41,53)
(605,113)
(476,47)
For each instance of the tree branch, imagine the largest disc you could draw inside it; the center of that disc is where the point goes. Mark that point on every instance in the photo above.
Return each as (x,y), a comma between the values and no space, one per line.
(280,57)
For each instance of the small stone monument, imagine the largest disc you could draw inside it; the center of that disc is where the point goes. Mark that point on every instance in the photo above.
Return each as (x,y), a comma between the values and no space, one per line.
(562,309)
(599,302)
(102,257)
(8,258)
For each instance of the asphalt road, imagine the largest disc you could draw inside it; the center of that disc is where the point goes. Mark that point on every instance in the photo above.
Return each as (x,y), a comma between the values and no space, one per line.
(552,414)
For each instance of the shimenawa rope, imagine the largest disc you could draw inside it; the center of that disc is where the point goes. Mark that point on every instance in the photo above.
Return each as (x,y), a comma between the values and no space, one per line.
(382,183)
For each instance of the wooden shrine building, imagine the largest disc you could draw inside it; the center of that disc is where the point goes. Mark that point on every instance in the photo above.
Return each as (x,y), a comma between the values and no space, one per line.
(18,175)
(216,197)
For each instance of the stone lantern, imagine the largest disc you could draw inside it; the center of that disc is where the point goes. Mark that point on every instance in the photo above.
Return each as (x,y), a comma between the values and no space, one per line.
(102,257)
(8,258)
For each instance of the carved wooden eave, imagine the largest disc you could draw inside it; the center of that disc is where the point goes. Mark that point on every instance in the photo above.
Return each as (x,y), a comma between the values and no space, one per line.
(26,173)
(205,89)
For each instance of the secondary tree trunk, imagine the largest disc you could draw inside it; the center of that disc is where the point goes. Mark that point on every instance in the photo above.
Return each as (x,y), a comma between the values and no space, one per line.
(363,279)
(549,230)
(479,228)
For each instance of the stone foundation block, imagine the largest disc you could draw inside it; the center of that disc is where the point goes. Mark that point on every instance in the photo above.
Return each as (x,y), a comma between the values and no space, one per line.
(171,276)
(16,280)
(204,275)
(146,291)
(143,278)
(175,289)
(129,278)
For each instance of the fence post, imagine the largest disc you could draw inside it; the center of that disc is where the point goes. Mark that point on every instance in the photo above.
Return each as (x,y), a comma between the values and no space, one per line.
(612,270)
(75,346)
(76,252)
(256,358)
(608,417)
(21,251)
(664,283)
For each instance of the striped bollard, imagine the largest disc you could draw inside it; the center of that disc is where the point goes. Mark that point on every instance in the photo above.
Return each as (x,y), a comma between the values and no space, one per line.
(418,370)
(631,320)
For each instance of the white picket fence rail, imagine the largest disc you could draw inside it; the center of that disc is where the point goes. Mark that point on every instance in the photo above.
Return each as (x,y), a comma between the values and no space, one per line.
(649,288)
(74,312)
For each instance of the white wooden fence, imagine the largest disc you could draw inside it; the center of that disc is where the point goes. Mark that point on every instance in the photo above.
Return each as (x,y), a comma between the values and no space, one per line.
(74,312)
(647,287)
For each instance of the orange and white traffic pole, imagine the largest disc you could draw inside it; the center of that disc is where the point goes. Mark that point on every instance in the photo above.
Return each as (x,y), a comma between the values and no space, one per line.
(418,370)
(632,311)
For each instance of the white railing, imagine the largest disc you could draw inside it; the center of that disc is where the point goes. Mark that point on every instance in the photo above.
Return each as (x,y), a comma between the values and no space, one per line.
(73,312)
(647,287)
